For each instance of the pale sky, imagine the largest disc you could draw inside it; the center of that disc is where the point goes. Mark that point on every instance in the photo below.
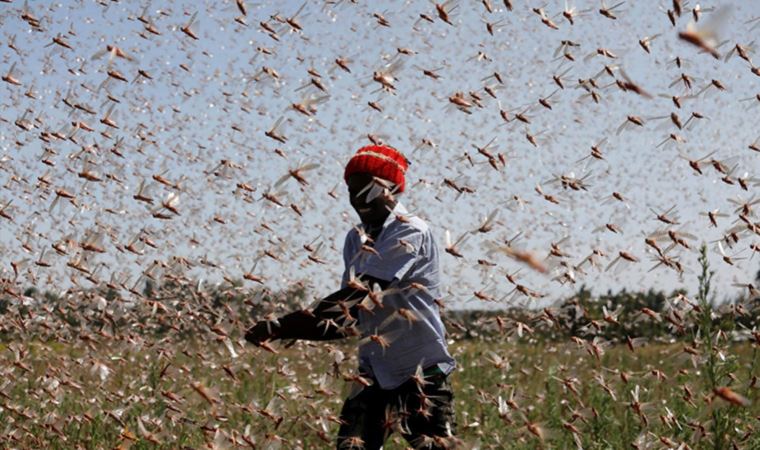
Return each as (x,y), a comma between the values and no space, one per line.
(216,111)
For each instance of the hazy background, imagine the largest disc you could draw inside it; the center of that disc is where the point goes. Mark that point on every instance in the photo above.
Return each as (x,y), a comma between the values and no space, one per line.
(181,124)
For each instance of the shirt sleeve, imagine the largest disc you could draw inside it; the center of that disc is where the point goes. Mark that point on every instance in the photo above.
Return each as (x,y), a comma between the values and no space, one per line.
(393,256)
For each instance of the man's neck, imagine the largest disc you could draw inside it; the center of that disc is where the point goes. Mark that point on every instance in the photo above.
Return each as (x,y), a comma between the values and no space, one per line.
(374,229)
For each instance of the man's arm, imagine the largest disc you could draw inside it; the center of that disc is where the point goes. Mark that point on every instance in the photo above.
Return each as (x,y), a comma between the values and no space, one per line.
(332,318)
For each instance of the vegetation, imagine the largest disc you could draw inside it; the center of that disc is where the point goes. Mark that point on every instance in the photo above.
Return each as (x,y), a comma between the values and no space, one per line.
(167,368)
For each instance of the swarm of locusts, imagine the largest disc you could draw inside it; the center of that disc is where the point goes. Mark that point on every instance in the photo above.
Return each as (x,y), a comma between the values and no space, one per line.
(171,172)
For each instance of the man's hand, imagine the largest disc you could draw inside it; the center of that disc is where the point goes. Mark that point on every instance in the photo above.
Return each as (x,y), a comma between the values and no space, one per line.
(262,331)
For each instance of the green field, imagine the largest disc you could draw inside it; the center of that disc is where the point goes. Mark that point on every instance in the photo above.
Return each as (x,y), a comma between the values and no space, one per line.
(136,393)
(172,371)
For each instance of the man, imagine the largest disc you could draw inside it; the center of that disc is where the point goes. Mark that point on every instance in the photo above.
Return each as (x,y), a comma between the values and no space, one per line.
(389,295)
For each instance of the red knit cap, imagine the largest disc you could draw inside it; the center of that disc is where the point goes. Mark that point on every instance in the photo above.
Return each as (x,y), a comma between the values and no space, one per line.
(380,161)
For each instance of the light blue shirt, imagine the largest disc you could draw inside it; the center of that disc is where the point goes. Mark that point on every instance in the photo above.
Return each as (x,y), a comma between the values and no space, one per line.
(406,255)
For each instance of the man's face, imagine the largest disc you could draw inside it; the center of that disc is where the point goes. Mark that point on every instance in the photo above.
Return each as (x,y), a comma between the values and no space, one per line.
(368,197)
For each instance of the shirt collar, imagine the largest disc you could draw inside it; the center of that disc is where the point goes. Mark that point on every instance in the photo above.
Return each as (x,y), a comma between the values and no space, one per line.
(397,210)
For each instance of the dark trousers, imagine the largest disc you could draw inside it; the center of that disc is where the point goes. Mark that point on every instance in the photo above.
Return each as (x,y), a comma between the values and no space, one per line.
(423,415)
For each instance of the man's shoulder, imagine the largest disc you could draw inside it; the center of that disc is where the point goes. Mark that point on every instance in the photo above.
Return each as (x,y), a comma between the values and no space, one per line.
(413,223)
(411,229)
(409,221)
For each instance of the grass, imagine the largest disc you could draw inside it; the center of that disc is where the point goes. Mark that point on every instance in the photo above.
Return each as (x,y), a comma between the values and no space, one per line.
(83,410)
(143,386)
